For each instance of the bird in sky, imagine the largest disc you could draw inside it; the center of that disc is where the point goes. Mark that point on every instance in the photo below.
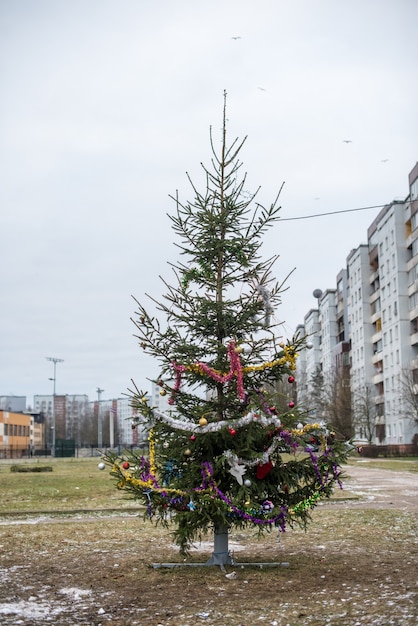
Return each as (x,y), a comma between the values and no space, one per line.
(385,160)
(347,141)
(236,38)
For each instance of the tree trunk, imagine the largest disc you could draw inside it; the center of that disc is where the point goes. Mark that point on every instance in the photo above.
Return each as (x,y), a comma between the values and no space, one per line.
(220,555)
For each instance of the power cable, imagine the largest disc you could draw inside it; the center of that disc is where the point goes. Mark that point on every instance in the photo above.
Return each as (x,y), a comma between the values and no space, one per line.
(307,217)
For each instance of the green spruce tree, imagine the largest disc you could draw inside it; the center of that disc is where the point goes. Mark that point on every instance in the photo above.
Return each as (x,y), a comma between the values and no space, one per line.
(224,455)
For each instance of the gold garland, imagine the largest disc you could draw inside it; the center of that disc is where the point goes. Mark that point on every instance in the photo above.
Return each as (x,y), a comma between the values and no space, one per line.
(289,357)
(151,450)
(305,429)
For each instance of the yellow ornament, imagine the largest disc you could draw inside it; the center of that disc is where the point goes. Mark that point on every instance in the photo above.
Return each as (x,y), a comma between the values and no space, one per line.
(163,392)
(203,421)
(238,349)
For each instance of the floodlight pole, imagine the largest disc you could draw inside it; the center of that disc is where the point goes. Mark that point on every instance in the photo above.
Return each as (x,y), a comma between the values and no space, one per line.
(99,420)
(55,361)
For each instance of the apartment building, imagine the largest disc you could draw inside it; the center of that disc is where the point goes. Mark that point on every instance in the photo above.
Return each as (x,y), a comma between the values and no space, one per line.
(389,317)
(365,363)
(328,332)
(65,413)
(15,404)
(309,362)
(327,355)
(372,318)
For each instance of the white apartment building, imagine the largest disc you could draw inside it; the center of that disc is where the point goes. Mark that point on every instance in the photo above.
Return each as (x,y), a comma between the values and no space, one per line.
(329,332)
(324,329)
(309,360)
(365,355)
(376,306)
(390,320)
(15,404)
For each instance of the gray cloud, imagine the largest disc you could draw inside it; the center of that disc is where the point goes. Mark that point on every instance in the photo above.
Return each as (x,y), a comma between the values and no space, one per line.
(106,105)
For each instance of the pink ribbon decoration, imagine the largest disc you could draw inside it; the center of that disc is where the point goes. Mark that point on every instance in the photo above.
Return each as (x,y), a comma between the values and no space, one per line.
(235,371)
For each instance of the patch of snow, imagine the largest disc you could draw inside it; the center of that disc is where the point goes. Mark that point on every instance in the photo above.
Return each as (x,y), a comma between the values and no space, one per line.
(31,610)
(74,593)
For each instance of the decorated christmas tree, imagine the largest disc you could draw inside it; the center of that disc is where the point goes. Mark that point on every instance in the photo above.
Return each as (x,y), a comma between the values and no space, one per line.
(224,454)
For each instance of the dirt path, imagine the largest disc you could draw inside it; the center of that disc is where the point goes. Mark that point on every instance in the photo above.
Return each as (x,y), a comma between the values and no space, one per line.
(380,488)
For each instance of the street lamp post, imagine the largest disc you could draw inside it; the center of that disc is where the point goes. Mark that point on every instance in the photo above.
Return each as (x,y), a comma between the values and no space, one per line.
(55,361)
(99,420)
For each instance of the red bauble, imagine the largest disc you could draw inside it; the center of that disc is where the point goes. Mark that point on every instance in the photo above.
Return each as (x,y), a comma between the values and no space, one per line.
(125,465)
(193,437)
(263,470)
(291,405)
(291,379)
(233,431)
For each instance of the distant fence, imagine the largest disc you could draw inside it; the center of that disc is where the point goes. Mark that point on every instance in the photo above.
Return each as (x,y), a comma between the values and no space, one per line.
(62,450)
(390,450)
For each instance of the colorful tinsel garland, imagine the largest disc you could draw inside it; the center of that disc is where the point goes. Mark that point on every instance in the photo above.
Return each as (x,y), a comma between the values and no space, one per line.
(149,483)
(236,370)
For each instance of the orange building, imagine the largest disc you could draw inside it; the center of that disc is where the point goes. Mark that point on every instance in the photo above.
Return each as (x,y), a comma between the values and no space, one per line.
(15,434)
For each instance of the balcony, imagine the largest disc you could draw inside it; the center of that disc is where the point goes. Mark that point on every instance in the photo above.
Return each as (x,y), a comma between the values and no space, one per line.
(411,238)
(377,336)
(411,263)
(414,339)
(374,296)
(413,288)
(376,358)
(379,399)
(375,316)
(378,378)
(413,314)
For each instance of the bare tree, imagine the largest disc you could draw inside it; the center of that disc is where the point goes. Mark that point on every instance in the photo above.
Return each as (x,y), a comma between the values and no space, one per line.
(408,392)
(364,413)
(337,402)
(317,395)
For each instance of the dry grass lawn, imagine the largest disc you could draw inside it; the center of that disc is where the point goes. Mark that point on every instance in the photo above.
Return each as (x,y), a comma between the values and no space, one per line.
(356,565)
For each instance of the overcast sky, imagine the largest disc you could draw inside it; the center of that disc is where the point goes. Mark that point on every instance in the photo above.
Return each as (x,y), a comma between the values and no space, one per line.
(106,104)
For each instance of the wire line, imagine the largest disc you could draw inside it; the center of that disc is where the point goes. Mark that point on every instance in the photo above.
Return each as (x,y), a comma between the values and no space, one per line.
(307,217)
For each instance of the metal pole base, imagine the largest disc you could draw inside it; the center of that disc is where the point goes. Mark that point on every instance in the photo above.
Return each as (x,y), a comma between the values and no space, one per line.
(220,555)
(208,563)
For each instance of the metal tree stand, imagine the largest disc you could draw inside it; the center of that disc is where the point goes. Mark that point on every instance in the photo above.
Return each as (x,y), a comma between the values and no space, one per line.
(220,556)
